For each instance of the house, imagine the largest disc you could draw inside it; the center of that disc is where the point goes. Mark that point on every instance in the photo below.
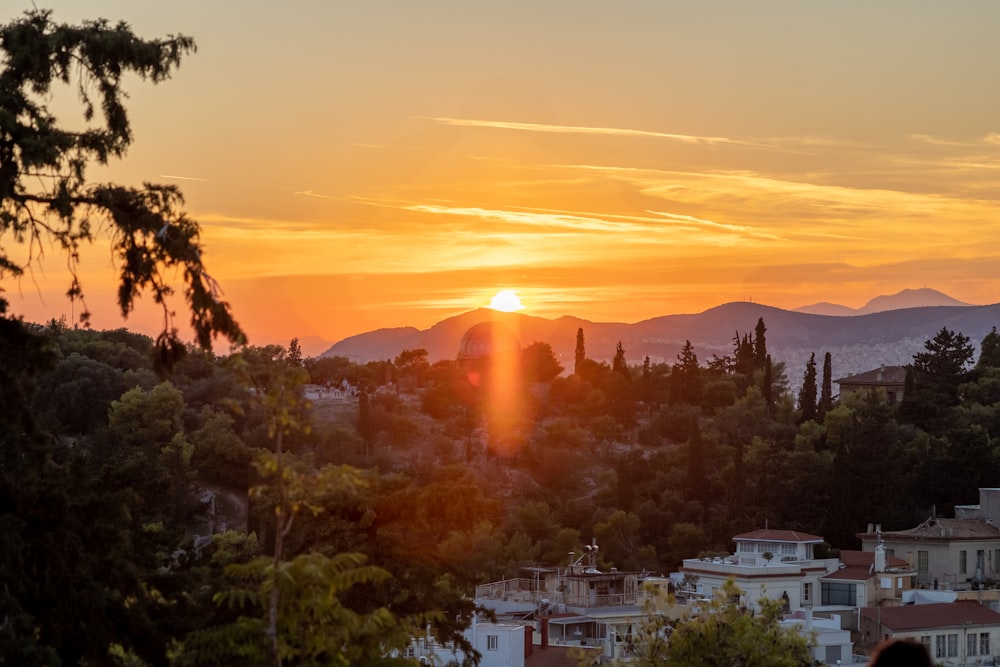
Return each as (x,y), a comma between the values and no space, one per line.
(577,606)
(499,645)
(889,379)
(831,643)
(768,563)
(955,554)
(878,580)
(956,633)
(782,564)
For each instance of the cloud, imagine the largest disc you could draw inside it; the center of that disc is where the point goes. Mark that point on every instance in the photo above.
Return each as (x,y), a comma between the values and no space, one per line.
(184,178)
(577,129)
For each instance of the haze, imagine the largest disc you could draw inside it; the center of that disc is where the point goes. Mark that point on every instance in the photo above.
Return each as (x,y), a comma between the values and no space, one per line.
(377,164)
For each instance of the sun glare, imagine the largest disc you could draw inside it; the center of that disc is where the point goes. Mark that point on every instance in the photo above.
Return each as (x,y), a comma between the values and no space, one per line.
(506,301)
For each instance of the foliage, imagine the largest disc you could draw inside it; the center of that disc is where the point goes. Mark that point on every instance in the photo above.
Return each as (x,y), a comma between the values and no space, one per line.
(807,393)
(722,633)
(540,363)
(685,377)
(315,629)
(933,380)
(45,197)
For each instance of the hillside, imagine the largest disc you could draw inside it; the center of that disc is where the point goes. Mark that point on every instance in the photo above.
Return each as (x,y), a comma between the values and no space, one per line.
(857,342)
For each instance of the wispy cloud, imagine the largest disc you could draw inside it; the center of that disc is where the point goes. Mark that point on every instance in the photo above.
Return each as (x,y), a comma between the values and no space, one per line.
(578,129)
(310,193)
(183,178)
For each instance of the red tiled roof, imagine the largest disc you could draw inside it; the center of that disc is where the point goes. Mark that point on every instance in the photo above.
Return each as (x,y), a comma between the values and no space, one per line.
(557,656)
(850,573)
(943,529)
(850,558)
(878,377)
(768,535)
(937,615)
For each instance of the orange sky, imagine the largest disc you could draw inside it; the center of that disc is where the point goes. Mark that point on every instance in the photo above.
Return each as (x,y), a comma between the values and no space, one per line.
(364,165)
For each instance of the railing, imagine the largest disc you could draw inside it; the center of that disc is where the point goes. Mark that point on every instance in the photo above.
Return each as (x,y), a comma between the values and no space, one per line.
(615,600)
(520,589)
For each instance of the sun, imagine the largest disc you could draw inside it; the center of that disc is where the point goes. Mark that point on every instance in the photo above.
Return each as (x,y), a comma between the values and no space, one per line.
(506,301)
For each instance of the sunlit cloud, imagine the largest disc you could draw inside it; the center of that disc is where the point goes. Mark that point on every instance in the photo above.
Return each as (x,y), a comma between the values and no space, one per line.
(577,129)
(183,178)
(310,193)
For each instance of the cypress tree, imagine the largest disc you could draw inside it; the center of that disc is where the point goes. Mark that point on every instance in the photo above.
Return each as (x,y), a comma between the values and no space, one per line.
(581,352)
(760,356)
(618,364)
(807,394)
(826,393)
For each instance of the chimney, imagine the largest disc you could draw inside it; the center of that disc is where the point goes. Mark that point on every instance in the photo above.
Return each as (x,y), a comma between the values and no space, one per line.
(529,638)
(545,633)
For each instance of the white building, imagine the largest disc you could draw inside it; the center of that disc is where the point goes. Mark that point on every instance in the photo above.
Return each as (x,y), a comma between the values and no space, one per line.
(781,565)
(500,645)
(831,643)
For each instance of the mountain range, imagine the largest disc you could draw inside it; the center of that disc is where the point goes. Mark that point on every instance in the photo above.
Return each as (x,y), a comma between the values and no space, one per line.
(888,330)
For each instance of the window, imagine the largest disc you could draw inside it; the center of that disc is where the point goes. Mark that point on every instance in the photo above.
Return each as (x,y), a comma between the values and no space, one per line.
(492,642)
(926,641)
(789,549)
(984,643)
(939,646)
(922,566)
(970,644)
(836,593)
(952,645)
(807,591)
(962,566)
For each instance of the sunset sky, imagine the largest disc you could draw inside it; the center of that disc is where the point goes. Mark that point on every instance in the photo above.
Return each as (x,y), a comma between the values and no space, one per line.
(358,165)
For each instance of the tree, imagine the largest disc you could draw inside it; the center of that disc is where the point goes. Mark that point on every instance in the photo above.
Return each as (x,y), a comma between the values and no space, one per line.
(581,352)
(412,365)
(807,393)
(618,364)
(760,345)
(826,392)
(933,381)
(697,474)
(989,351)
(539,363)
(685,377)
(45,197)
(723,633)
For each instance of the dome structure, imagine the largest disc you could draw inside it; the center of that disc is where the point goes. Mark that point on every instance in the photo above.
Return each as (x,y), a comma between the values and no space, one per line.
(488,339)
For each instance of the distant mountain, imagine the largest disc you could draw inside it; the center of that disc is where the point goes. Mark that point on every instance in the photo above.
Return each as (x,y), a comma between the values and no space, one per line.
(857,343)
(908,298)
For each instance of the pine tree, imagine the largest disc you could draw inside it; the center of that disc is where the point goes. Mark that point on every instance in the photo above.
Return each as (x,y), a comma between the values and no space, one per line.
(685,377)
(989,351)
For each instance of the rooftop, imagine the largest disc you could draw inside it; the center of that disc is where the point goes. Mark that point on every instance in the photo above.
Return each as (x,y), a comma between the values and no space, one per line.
(942,529)
(921,616)
(878,377)
(768,535)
